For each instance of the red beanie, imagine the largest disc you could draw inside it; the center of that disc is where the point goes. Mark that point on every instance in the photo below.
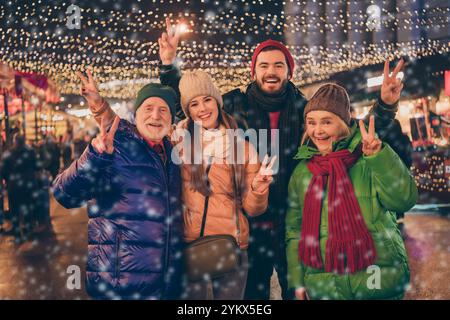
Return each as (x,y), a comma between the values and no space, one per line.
(279,46)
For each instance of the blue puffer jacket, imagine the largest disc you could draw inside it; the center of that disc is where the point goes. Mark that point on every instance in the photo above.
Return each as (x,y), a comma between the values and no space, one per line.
(135,221)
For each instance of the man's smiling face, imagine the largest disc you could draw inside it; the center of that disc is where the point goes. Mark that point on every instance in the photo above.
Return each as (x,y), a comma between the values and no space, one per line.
(271,72)
(153,119)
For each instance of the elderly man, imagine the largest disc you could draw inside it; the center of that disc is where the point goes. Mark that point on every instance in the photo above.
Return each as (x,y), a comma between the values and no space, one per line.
(133,192)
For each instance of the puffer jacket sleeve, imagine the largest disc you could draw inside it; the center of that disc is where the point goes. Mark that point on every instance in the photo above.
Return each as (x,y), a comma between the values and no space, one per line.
(395,187)
(390,131)
(254,203)
(170,75)
(83,180)
(293,229)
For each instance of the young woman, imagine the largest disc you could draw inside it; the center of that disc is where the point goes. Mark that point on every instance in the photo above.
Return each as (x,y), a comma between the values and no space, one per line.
(341,231)
(232,186)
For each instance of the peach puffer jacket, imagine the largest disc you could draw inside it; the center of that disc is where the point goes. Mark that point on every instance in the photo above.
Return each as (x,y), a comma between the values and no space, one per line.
(221,216)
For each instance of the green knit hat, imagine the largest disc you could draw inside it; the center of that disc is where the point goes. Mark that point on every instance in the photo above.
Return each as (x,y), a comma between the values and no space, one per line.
(157,90)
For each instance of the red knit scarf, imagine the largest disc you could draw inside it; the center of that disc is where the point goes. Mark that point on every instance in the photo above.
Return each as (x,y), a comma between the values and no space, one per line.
(350,246)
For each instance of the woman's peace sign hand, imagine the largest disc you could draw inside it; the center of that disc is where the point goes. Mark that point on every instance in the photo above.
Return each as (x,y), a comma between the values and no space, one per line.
(264,177)
(370,142)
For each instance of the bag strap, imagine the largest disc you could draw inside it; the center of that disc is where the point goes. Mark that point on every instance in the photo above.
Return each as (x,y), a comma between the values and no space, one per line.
(236,211)
(205,208)
(238,195)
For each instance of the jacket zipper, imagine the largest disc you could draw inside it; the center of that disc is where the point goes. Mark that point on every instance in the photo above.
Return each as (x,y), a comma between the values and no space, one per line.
(116,270)
(166,256)
(166,263)
(166,253)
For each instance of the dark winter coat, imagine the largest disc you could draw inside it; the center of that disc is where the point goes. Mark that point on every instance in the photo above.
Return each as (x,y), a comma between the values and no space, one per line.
(135,224)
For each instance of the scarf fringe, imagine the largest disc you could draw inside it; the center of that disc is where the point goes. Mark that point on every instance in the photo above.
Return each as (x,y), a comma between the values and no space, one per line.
(358,257)
(310,255)
(348,257)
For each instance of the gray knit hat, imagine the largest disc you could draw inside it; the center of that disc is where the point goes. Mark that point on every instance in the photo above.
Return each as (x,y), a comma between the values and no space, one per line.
(332,98)
(197,83)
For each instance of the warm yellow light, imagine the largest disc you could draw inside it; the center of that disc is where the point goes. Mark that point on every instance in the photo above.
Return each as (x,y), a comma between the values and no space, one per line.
(182,28)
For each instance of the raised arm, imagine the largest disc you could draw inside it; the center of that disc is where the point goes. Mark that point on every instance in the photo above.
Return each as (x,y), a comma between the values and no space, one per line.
(385,110)
(169,73)
(98,106)
(84,179)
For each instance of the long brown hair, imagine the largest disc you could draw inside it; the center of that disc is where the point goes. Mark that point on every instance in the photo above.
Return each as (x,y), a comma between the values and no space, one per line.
(199,179)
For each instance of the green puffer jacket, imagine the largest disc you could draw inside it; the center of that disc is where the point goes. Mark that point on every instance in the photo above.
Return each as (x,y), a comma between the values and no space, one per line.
(383,185)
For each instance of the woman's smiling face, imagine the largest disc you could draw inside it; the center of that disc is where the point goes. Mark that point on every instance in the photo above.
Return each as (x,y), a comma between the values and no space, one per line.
(204,110)
(324,128)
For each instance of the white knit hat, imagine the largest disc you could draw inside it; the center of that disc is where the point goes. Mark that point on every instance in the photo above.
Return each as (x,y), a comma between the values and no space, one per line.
(197,83)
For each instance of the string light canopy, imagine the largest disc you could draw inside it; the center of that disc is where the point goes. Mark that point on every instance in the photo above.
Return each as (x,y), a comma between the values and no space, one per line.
(432,178)
(119,39)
